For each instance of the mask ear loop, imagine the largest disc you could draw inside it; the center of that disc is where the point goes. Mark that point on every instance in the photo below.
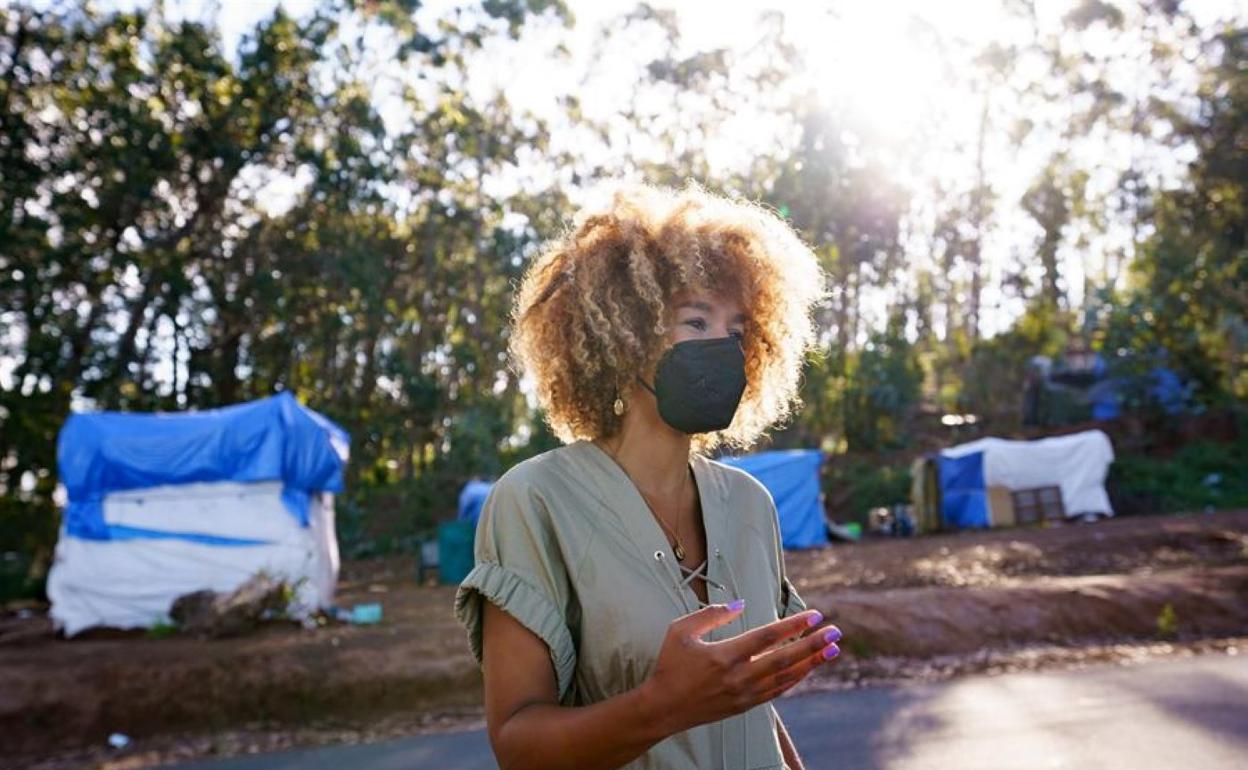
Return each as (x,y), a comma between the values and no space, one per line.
(646,385)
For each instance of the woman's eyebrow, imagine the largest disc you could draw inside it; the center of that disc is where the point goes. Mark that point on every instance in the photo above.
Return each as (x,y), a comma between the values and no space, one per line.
(704,307)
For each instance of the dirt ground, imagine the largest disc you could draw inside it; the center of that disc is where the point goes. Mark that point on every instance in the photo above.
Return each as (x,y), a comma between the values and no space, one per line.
(915,608)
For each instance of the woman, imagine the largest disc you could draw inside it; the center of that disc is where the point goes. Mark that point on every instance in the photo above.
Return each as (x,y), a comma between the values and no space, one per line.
(628,603)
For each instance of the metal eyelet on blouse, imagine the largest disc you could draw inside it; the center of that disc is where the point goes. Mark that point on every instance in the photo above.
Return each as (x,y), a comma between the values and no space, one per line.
(658,556)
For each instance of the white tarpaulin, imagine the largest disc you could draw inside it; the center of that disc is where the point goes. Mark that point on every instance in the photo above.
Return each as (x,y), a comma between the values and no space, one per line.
(131,583)
(1078,464)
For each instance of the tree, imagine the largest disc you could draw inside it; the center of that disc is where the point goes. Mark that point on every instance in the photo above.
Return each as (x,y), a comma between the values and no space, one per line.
(144,264)
(1189,283)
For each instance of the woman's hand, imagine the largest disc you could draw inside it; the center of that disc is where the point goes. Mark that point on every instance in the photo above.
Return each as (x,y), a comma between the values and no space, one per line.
(695,681)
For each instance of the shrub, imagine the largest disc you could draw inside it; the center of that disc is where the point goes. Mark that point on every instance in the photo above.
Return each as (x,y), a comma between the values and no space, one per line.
(855,485)
(1198,475)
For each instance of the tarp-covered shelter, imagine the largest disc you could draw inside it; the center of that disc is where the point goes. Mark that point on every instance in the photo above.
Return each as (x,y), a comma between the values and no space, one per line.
(1077,464)
(1080,387)
(472,499)
(792,478)
(160,505)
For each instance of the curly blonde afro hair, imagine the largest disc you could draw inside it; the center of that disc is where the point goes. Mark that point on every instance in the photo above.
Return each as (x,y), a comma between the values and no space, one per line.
(592,311)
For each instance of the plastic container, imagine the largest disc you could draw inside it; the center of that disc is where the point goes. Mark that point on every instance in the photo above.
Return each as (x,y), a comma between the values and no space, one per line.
(455,550)
(366,614)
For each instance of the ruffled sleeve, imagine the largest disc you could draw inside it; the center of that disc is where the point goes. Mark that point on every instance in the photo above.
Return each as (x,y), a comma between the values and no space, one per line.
(520,568)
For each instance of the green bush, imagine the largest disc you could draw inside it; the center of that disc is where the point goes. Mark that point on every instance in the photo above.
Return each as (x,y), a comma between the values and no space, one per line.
(1196,476)
(858,484)
(1167,622)
(16,581)
(380,517)
(27,537)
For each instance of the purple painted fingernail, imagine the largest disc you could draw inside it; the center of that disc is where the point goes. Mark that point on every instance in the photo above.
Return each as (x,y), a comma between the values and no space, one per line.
(832,635)
(831,651)
(815,619)
(736,604)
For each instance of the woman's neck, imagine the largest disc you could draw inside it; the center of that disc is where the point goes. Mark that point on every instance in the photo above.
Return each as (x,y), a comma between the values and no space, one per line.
(655,457)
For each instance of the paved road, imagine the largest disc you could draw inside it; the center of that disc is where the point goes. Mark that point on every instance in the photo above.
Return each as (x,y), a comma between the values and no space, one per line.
(1185,713)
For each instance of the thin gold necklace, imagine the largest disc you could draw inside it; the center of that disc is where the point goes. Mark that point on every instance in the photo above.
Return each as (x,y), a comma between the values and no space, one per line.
(677,548)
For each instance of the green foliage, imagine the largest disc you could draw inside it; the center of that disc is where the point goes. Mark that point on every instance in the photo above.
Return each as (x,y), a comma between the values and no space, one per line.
(1167,622)
(862,400)
(991,382)
(161,630)
(18,577)
(882,388)
(855,484)
(393,515)
(1197,475)
(1189,281)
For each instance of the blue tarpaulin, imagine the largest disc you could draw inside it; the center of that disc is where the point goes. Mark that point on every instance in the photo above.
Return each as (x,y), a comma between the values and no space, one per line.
(1161,385)
(1167,390)
(964,500)
(272,439)
(472,498)
(792,478)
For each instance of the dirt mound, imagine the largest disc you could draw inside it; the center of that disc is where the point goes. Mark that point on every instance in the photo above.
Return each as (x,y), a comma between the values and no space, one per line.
(922,622)
(1138,545)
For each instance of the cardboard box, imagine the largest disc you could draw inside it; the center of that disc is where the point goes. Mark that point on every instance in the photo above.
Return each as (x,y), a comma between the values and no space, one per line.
(1001,507)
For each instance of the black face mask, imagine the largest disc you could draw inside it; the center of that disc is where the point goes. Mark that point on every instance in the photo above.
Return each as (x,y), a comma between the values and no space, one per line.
(698,384)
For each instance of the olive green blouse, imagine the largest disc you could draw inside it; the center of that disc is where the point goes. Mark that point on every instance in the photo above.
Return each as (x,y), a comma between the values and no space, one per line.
(568,547)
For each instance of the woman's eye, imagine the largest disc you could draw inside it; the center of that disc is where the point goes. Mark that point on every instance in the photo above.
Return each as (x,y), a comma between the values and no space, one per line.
(696,323)
(739,334)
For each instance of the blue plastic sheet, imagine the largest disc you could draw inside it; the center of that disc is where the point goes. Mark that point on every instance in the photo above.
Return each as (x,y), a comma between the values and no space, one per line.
(963,498)
(1167,389)
(472,498)
(792,478)
(272,439)
(1163,386)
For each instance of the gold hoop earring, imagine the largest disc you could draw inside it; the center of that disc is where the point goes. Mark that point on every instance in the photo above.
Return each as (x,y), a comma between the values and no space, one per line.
(618,406)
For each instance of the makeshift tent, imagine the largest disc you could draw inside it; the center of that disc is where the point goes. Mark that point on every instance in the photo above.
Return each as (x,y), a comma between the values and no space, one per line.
(792,478)
(1077,464)
(160,505)
(1072,390)
(472,498)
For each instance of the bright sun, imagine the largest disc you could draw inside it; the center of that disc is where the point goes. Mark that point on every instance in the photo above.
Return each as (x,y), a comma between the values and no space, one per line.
(882,64)
(865,61)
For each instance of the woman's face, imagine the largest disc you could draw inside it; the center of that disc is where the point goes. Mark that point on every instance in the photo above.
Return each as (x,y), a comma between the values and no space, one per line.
(704,316)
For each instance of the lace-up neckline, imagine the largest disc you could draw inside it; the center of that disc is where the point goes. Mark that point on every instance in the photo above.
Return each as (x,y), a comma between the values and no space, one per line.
(692,573)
